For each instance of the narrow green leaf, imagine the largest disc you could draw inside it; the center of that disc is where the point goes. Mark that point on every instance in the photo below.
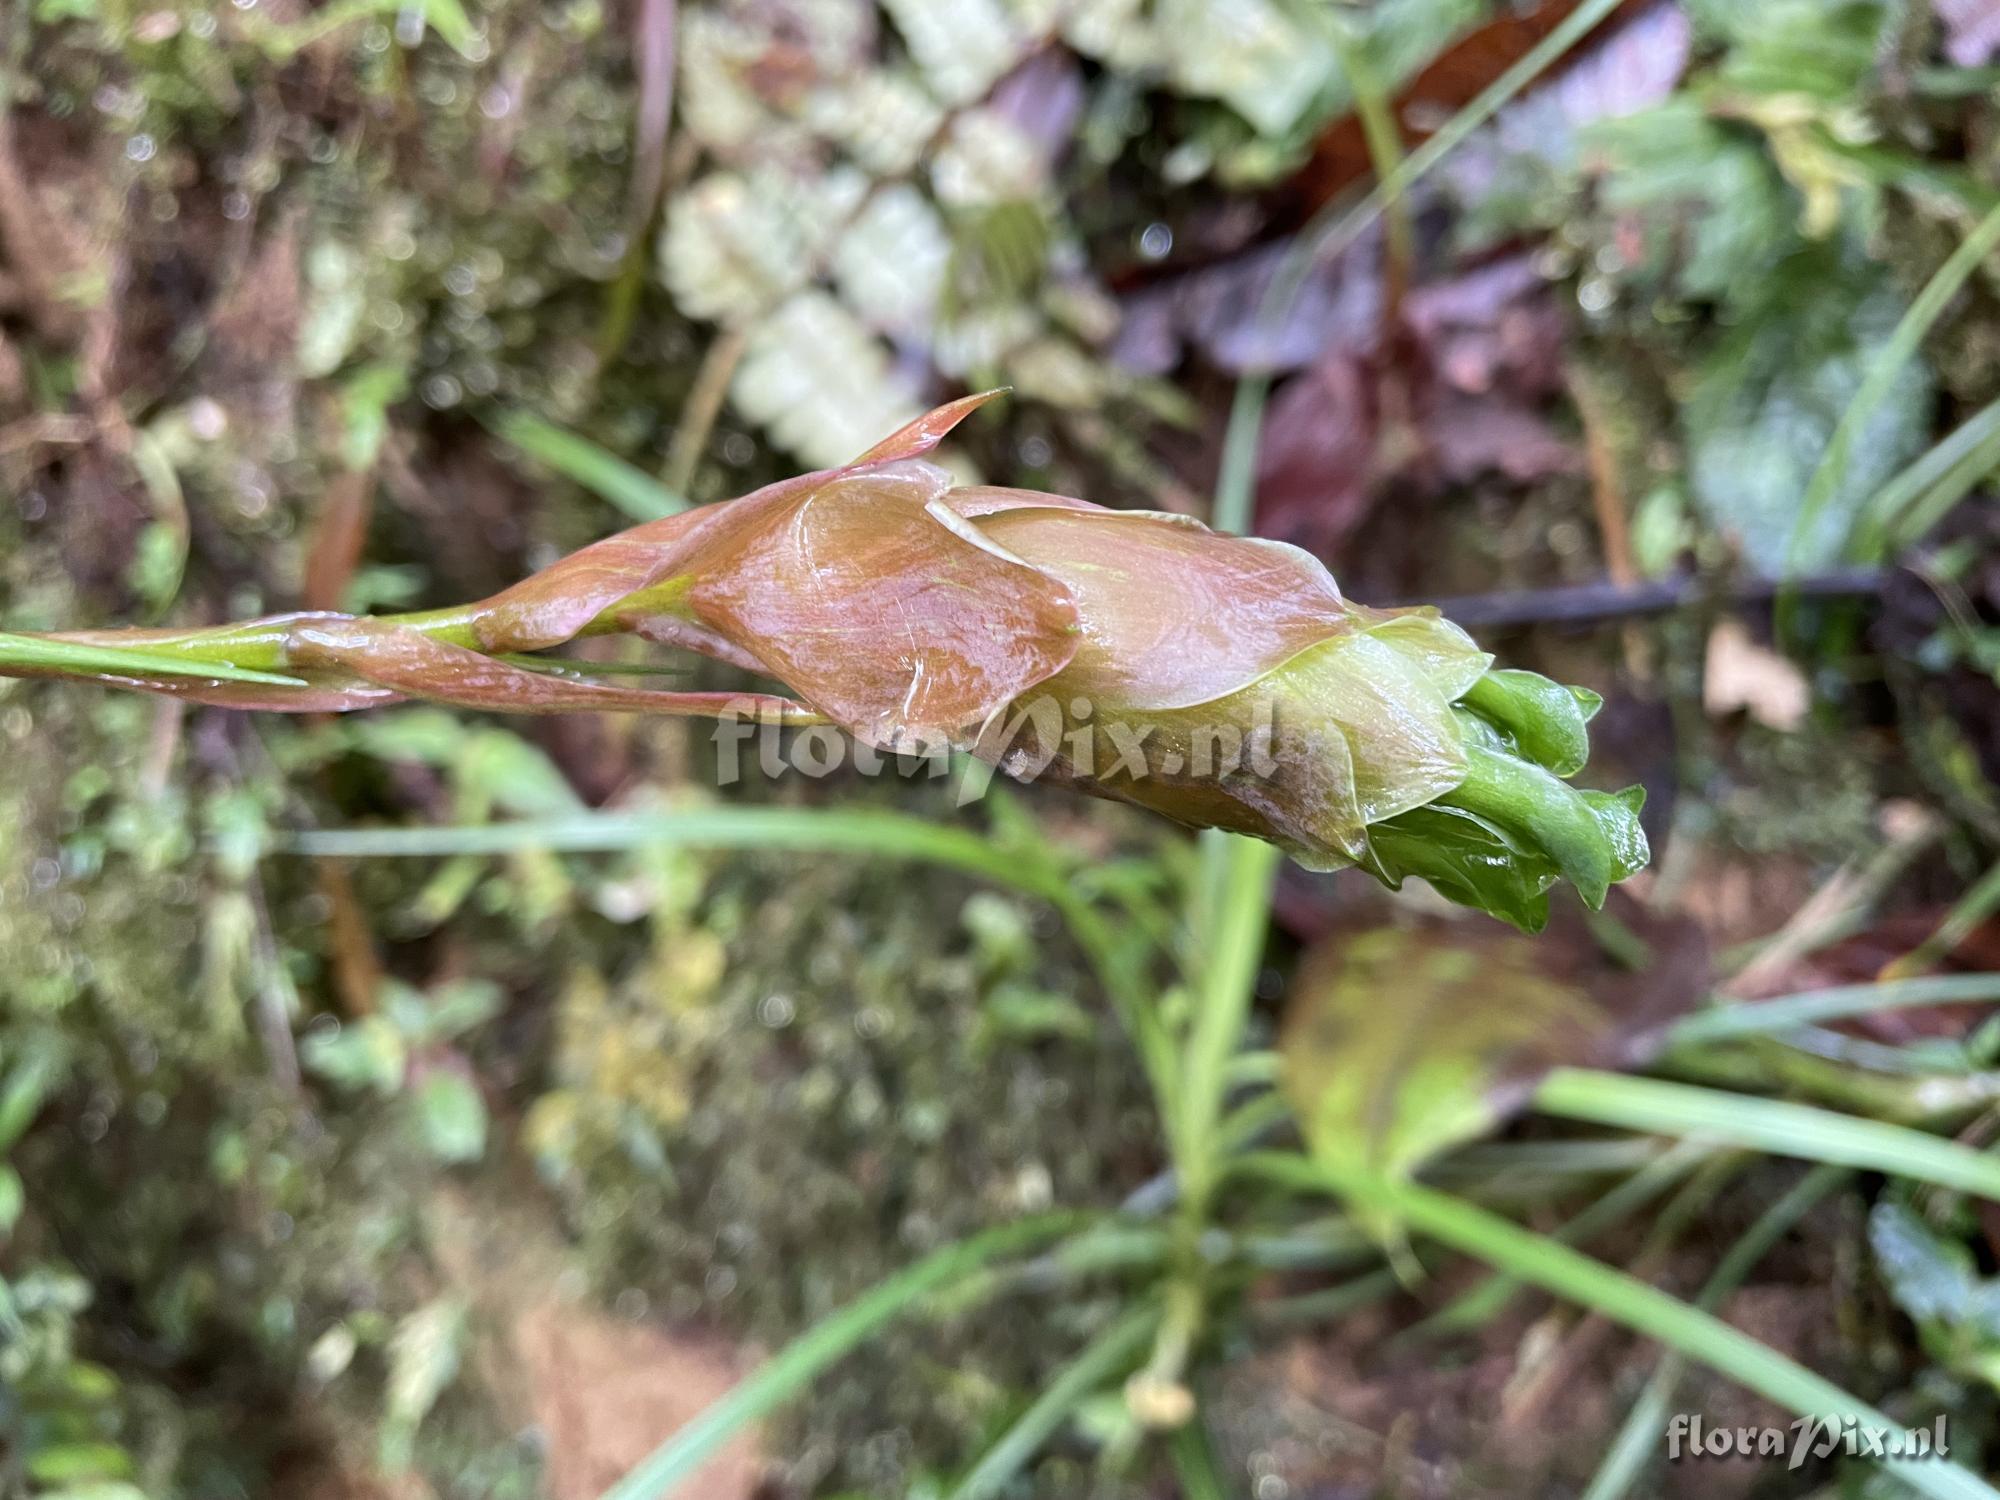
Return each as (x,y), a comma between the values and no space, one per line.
(1113,1350)
(847,830)
(74,659)
(1233,947)
(1796,1130)
(1921,495)
(1814,1007)
(793,1367)
(1638,1439)
(605,475)
(1883,374)
(1623,1298)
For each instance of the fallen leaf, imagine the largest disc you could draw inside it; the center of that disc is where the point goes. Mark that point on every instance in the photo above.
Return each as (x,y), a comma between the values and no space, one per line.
(1739,674)
(1316,460)
(1402,1041)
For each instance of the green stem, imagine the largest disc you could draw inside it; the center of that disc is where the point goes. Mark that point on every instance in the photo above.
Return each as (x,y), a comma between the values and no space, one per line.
(1223,991)
(1333,231)
(1377,113)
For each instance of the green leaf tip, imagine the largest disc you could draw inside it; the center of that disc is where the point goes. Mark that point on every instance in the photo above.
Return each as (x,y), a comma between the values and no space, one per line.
(1513,827)
(1539,719)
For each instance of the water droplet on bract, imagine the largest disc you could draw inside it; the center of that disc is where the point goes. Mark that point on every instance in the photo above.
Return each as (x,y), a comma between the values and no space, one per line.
(496,103)
(410,26)
(236,204)
(1155,241)
(141,147)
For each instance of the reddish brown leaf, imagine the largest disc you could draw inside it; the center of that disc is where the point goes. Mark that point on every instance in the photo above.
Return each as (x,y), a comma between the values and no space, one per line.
(1172,613)
(1317,458)
(874,604)
(926,432)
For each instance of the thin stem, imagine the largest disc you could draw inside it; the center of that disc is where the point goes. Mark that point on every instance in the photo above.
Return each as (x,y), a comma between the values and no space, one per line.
(1236,482)
(1221,1006)
(1385,153)
(1332,232)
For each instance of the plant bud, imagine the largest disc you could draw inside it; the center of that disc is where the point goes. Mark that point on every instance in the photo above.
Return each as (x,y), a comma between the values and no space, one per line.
(1223,681)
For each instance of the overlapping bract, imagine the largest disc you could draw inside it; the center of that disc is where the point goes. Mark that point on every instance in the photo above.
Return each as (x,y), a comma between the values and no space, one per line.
(1222,681)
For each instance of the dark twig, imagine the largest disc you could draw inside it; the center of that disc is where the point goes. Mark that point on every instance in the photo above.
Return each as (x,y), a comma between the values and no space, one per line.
(1591,603)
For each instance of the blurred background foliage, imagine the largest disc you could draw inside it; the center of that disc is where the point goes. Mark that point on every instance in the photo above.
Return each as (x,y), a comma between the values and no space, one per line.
(478,1174)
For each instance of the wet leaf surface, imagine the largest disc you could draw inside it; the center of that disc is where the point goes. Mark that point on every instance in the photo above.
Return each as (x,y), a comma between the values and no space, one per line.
(1767,402)
(1401,1041)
